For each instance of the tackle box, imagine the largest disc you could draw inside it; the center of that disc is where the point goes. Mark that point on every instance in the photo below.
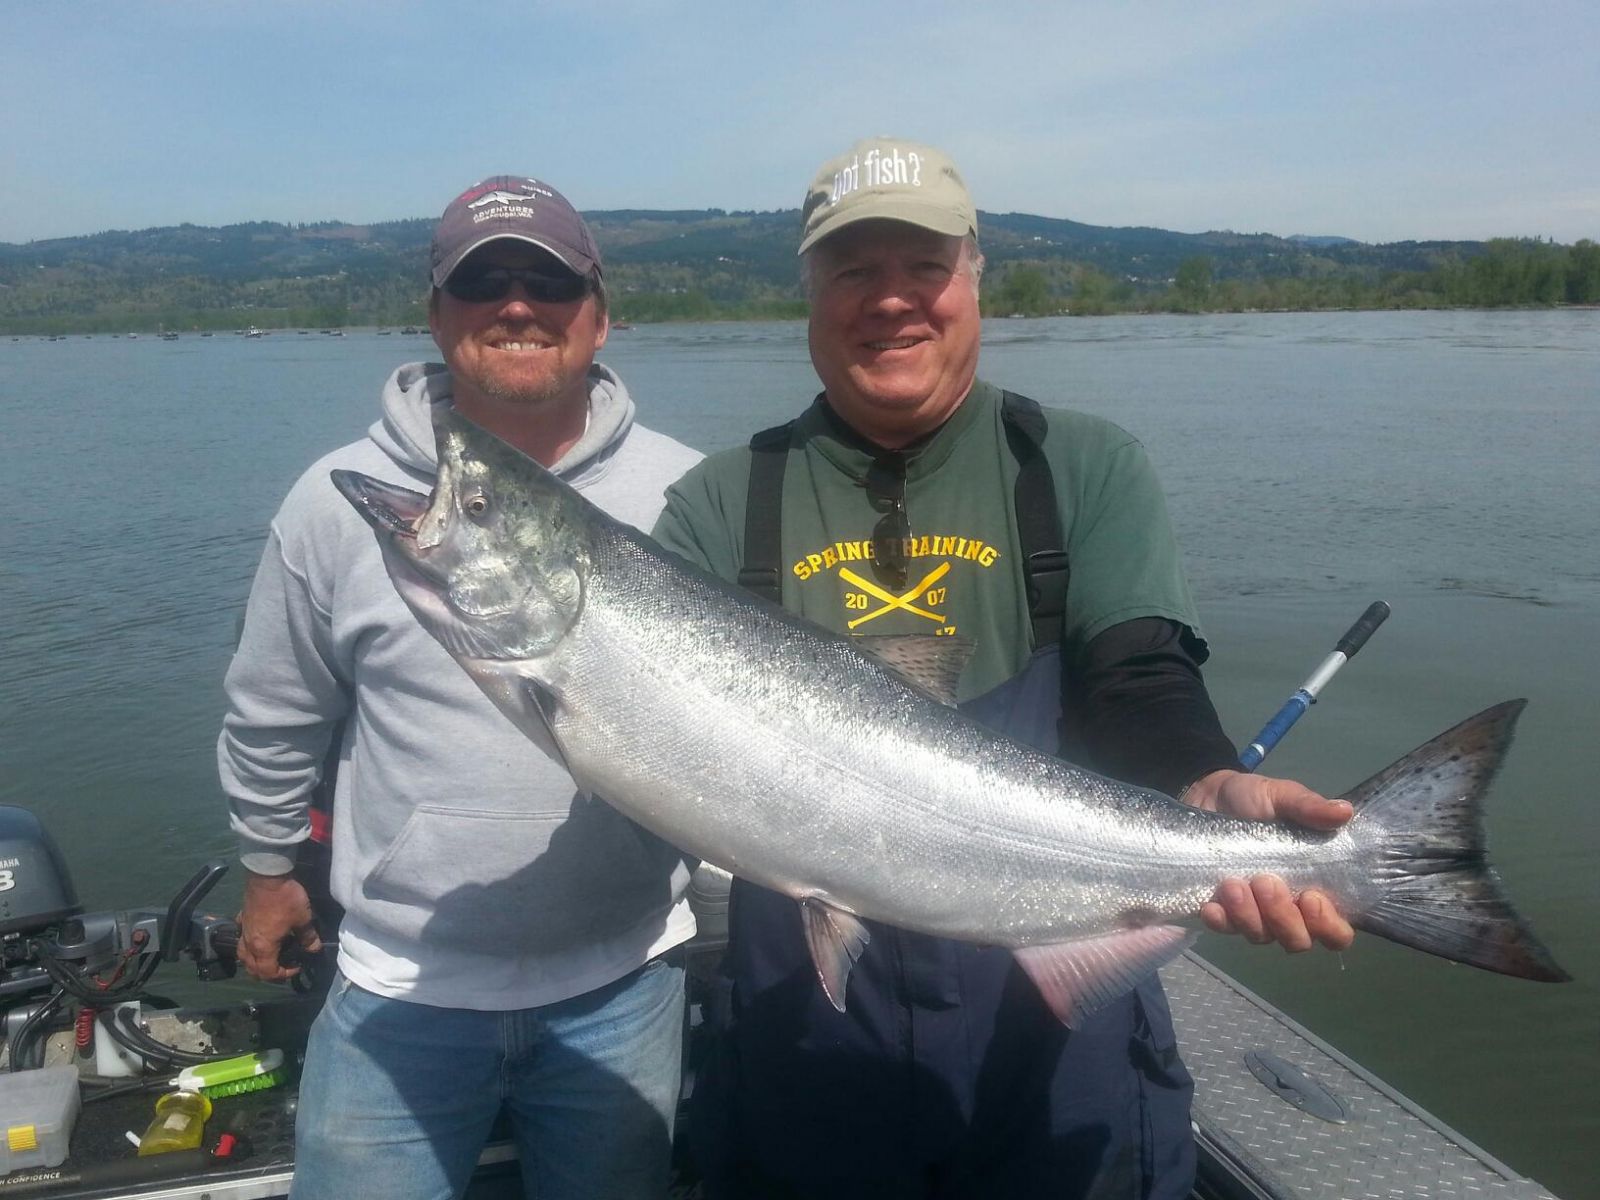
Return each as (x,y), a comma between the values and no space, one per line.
(37,1112)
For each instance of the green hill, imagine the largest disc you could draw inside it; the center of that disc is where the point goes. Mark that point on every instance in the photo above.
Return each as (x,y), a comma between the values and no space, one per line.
(709,264)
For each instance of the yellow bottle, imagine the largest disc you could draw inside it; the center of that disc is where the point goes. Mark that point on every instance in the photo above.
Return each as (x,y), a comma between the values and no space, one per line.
(179,1122)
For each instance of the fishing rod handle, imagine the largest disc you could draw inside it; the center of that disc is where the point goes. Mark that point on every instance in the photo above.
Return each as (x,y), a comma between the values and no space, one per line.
(1356,637)
(1293,709)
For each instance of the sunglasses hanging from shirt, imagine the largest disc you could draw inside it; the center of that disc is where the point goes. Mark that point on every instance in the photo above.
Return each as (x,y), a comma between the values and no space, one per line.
(886,490)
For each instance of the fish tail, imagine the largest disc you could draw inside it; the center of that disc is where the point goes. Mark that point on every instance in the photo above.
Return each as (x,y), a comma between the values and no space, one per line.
(1435,889)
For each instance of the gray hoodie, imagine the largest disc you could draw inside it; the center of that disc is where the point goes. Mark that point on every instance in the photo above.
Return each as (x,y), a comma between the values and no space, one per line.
(472,874)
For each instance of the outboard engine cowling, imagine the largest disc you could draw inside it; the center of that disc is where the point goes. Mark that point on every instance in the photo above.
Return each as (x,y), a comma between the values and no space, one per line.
(35,889)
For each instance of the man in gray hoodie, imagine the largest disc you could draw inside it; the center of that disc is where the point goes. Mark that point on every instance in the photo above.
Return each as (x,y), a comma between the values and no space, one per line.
(505,939)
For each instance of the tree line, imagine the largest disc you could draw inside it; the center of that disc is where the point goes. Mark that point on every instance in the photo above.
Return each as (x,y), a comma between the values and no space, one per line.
(712,265)
(1510,273)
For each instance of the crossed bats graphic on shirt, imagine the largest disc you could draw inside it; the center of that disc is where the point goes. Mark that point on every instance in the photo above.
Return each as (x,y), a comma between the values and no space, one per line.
(891,602)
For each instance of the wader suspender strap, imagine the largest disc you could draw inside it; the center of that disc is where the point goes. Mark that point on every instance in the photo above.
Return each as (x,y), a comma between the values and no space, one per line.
(1044,556)
(763,513)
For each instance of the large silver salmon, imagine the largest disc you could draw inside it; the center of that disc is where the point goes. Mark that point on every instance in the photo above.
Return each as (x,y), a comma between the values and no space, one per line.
(786,754)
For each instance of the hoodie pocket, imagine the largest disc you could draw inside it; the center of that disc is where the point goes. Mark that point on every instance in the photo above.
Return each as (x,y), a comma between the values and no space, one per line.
(498,882)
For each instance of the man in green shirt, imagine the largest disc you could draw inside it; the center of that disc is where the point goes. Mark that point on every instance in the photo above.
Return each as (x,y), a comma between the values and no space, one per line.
(912,497)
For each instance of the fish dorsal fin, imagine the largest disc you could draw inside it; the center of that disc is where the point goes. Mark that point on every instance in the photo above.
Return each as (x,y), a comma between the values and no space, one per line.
(1078,978)
(932,664)
(836,939)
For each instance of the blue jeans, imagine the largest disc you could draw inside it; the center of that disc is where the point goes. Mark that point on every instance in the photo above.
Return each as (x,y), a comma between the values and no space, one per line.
(397,1098)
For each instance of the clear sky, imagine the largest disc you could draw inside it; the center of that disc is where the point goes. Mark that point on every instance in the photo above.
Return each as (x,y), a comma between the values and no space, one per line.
(1381,120)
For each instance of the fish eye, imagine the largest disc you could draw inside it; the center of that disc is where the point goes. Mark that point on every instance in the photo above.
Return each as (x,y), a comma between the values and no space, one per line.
(475,505)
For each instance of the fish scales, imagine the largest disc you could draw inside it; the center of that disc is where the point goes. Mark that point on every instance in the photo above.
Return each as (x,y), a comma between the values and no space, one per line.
(965,833)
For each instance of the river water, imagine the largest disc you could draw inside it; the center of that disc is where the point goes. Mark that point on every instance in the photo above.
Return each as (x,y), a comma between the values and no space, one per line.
(1448,463)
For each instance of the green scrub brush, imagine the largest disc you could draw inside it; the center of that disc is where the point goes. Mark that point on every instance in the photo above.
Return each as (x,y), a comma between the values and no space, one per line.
(234,1076)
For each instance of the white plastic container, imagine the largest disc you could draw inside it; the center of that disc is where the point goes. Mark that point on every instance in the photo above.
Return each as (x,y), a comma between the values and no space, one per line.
(37,1112)
(110,1056)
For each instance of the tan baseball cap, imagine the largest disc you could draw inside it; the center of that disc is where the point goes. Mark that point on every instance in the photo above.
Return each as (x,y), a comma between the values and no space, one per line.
(887,179)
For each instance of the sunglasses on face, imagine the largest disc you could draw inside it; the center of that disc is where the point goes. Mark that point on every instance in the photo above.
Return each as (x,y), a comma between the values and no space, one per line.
(480,285)
(886,489)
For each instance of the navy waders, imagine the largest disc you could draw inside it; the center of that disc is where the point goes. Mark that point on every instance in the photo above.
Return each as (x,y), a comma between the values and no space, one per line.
(948,1077)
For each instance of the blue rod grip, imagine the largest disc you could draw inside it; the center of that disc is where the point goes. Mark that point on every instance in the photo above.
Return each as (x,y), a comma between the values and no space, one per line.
(1272,733)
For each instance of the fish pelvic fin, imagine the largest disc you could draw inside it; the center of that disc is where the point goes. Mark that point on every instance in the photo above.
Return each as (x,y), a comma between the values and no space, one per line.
(836,939)
(1436,891)
(1080,977)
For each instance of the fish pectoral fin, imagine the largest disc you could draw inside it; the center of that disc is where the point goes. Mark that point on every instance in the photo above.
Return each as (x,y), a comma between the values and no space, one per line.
(836,939)
(543,703)
(930,664)
(529,704)
(1079,977)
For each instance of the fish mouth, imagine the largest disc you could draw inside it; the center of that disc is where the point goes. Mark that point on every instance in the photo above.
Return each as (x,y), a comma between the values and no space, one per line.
(387,508)
(394,512)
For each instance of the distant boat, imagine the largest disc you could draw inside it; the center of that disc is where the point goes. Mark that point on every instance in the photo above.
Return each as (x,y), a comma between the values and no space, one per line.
(253,332)
(622,325)
(413,331)
(169,337)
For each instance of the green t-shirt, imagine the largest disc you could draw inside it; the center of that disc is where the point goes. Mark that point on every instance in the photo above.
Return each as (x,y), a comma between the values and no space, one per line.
(964,571)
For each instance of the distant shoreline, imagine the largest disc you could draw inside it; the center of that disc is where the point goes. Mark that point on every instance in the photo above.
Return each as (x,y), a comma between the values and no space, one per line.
(712,265)
(154,334)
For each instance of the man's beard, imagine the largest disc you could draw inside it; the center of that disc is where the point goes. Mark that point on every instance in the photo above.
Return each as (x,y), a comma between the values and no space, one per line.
(540,394)
(511,388)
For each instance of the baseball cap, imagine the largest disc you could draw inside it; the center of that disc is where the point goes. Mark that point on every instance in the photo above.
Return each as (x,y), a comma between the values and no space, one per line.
(512,206)
(888,179)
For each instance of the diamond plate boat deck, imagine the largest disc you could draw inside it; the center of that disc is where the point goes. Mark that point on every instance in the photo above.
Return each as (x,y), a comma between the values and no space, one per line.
(1256,1144)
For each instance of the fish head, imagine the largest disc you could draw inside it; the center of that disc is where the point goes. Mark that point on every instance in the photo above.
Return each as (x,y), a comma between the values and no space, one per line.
(491,563)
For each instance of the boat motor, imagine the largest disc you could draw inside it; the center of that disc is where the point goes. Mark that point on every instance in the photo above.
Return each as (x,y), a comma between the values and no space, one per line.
(35,891)
(48,944)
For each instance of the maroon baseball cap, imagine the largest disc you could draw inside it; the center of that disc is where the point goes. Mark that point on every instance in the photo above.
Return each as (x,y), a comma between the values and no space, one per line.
(512,206)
